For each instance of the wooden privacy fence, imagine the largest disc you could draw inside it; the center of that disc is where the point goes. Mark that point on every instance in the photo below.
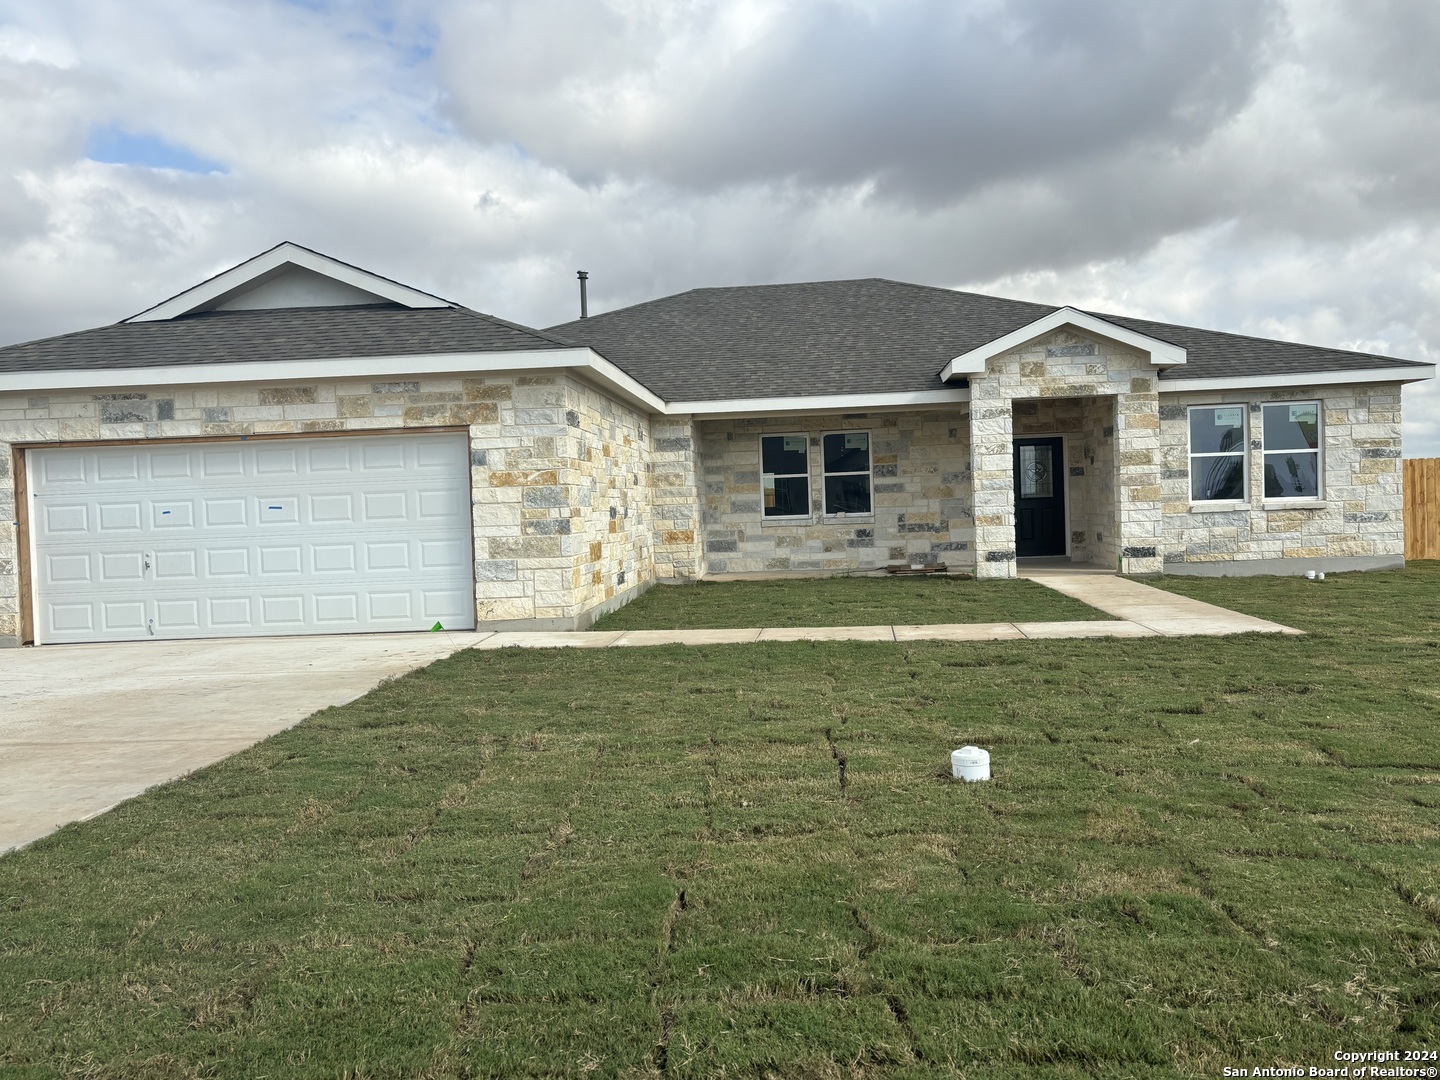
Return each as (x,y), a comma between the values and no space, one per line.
(1422,508)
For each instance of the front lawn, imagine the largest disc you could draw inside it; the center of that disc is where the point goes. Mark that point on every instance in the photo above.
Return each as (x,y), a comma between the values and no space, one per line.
(748,861)
(844,601)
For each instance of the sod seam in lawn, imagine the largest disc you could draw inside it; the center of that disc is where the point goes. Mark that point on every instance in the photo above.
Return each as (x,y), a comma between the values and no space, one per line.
(1194,853)
(844,601)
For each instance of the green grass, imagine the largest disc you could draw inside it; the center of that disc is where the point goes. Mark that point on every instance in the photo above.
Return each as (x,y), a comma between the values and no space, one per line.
(1194,853)
(844,601)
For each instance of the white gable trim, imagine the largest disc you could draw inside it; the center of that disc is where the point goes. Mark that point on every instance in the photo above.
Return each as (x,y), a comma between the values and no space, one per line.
(272,263)
(1303,379)
(1161,353)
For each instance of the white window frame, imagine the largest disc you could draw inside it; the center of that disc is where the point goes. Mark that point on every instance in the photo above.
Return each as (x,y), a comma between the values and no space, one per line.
(808,515)
(1319,452)
(1243,453)
(869,474)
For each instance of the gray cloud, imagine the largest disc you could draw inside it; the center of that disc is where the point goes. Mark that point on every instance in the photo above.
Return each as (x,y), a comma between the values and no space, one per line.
(929,99)
(1272,168)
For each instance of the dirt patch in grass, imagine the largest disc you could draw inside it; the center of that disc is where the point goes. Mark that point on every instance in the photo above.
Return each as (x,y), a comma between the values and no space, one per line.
(844,601)
(1193,853)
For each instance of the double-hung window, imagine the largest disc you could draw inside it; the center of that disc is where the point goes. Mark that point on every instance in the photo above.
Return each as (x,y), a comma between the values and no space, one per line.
(847,473)
(1217,453)
(1292,450)
(785,475)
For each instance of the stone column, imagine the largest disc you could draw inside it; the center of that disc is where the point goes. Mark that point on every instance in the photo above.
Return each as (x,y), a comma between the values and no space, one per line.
(675,497)
(1137,478)
(992,427)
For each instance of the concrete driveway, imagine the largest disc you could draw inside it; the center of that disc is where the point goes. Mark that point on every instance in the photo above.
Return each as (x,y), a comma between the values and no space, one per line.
(83,727)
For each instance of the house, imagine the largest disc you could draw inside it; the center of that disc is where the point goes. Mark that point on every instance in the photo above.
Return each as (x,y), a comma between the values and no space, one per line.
(300,446)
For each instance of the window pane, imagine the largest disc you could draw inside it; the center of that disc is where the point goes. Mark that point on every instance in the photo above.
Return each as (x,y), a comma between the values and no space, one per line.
(1217,430)
(847,494)
(848,452)
(783,454)
(786,496)
(1292,427)
(1217,478)
(1292,476)
(1037,474)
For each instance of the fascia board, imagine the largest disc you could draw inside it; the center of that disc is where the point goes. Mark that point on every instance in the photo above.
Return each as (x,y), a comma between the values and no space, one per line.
(800,404)
(1418,373)
(237,277)
(1161,353)
(581,360)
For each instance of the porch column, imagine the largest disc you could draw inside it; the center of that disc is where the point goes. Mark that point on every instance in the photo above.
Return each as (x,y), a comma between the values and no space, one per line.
(992,429)
(1137,478)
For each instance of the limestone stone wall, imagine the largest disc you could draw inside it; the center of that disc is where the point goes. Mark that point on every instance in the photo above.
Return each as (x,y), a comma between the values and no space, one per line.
(1068,365)
(1359,517)
(675,498)
(920,491)
(561,493)
(559,475)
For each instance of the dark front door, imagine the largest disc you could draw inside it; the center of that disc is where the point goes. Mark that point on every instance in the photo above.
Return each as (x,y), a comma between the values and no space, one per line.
(1039,497)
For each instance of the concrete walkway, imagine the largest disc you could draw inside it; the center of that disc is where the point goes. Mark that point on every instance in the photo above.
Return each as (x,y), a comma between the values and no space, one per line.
(83,727)
(1154,609)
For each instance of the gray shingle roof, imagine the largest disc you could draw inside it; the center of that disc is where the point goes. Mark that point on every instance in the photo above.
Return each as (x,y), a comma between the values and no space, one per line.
(316,333)
(870,336)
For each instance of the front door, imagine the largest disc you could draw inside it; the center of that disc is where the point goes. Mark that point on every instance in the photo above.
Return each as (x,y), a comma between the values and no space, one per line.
(1039,497)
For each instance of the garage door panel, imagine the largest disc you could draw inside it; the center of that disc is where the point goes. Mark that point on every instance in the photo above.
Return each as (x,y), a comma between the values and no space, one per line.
(56,472)
(226,463)
(120,517)
(333,508)
(177,566)
(115,566)
(172,514)
(172,465)
(394,555)
(123,616)
(234,614)
(225,513)
(322,535)
(278,460)
(380,457)
(334,558)
(177,614)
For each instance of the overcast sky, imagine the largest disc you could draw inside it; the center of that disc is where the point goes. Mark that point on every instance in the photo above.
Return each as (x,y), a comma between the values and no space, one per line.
(1264,166)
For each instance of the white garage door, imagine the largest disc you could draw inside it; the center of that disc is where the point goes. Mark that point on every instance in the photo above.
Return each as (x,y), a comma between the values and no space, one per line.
(279,536)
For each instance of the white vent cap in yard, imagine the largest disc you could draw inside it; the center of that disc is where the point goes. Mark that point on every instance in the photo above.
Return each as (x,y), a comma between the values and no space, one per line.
(970,763)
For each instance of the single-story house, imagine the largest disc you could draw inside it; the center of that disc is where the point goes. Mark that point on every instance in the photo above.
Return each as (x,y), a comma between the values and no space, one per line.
(300,446)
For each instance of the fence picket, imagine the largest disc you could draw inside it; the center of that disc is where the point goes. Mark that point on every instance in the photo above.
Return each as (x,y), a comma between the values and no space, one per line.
(1422,508)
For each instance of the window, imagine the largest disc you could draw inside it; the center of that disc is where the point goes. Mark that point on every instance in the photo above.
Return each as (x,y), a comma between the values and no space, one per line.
(1292,450)
(785,475)
(1217,453)
(847,473)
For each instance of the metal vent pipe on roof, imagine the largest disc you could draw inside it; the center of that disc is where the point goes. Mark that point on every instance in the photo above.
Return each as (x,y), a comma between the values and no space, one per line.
(584,307)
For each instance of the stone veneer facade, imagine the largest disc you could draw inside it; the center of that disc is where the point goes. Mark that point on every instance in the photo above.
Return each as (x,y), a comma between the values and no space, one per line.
(580,501)
(920,494)
(1358,524)
(560,473)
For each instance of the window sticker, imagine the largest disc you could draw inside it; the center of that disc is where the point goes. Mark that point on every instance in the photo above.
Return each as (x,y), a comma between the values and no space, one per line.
(1229,417)
(1302,414)
(794,444)
(855,442)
